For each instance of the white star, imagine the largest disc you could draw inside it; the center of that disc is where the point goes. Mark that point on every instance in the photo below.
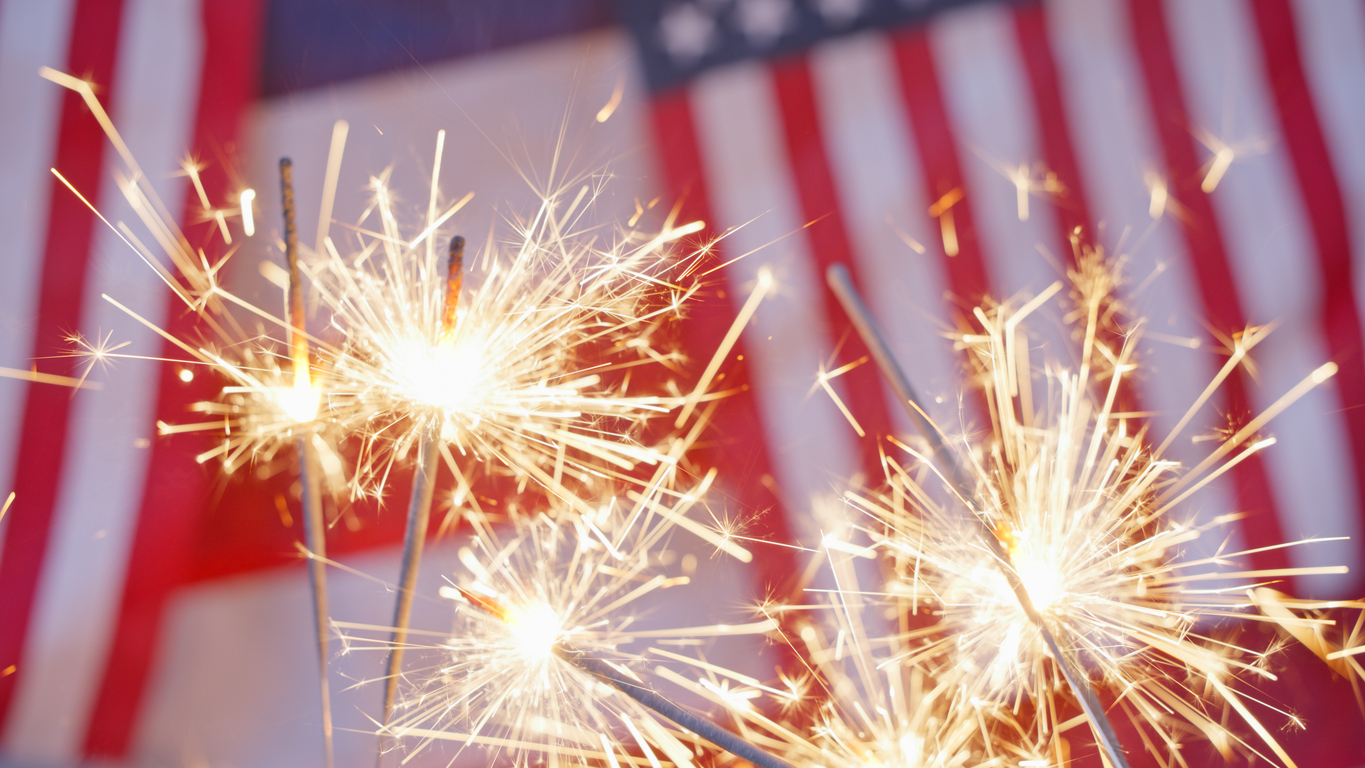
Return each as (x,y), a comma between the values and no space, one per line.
(686,31)
(763,21)
(839,12)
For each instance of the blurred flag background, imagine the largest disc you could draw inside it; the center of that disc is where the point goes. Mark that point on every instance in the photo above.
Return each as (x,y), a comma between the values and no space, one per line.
(154,613)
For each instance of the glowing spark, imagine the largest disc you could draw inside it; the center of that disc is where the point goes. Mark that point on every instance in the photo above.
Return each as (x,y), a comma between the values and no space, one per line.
(1222,160)
(245,200)
(535,631)
(761,288)
(942,209)
(609,108)
(1223,156)
(1156,184)
(433,226)
(48,378)
(329,180)
(822,380)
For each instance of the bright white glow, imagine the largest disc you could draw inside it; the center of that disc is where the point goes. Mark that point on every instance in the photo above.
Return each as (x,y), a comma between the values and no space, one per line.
(1041,580)
(912,749)
(248,221)
(445,375)
(299,402)
(535,630)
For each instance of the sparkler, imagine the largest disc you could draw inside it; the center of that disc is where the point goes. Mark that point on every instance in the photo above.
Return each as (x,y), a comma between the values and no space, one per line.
(1068,560)
(419,507)
(543,625)
(509,384)
(314,526)
(842,285)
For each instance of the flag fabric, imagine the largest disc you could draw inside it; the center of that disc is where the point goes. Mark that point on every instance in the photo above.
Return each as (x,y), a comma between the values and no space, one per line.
(154,612)
(95,491)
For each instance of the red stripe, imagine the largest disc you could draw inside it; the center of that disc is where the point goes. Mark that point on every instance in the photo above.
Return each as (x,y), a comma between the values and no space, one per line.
(738,447)
(177,487)
(61,293)
(829,244)
(1204,241)
(1327,214)
(942,170)
(1054,133)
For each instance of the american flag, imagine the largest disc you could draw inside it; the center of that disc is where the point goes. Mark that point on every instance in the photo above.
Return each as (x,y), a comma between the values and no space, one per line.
(152,613)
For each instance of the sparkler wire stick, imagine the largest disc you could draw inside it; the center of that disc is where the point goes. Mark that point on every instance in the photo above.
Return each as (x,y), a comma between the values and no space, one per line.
(841,283)
(314,527)
(681,717)
(419,505)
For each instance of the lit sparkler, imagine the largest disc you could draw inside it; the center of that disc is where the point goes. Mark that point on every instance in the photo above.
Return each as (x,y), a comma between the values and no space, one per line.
(518,379)
(539,664)
(314,526)
(1067,559)
(419,506)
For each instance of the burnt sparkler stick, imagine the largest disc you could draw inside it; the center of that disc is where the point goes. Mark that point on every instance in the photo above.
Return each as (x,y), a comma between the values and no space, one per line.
(314,527)
(419,504)
(841,283)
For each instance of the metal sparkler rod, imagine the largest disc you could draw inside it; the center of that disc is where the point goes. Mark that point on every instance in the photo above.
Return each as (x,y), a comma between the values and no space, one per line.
(419,518)
(665,708)
(419,504)
(314,527)
(841,282)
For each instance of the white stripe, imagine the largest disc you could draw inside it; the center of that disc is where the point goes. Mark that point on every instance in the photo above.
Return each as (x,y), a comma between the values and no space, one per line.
(877,172)
(1271,251)
(986,92)
(1112,130)
(105,466)
(32,35)
(1332,46)
(741,138)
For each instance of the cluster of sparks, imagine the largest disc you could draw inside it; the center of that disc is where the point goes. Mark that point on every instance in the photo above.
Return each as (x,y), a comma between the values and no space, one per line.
(1060,529)
(501,376)
(533,595)
(1073,504)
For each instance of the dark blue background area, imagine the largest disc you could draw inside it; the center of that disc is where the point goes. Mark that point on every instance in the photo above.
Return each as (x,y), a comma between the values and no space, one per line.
(311,43)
